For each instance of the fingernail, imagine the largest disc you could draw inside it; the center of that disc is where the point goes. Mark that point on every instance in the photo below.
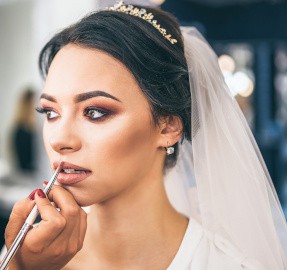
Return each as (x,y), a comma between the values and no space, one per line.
(45,182)
(41,193)
(32,195)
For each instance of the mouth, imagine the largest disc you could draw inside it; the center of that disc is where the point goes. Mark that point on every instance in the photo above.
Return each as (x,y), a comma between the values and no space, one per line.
(71,173)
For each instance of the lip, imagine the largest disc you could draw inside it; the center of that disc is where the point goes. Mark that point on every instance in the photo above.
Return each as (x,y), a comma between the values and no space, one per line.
(71,178)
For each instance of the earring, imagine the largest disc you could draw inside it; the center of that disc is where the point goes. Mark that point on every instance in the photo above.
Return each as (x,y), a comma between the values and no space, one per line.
(169,149)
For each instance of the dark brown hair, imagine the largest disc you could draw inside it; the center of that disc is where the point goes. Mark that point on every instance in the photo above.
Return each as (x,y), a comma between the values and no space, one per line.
(159,67)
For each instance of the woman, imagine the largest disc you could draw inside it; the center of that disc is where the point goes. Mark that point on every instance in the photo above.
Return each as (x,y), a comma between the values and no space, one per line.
(23,134)
(117,98)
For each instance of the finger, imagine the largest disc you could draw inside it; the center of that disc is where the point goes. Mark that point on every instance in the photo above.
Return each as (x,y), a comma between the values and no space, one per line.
(45,183)
(71,211)
(18,216)
(70,241)
(78,232)
(51,226)
(75,229)
(64,200)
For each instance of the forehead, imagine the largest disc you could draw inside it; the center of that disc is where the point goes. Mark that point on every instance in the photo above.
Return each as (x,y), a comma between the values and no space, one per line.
(77,69)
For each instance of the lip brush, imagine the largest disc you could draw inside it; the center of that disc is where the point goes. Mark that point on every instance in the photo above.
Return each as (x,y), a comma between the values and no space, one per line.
(28,223)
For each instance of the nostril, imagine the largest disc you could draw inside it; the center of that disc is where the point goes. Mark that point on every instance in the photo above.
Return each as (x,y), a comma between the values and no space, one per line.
(64,142)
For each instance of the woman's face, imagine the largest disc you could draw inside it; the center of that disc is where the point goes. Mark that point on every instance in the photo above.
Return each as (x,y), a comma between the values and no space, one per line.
(99,123)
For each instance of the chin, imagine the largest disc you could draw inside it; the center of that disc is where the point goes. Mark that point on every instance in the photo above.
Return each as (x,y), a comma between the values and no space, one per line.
(84,199)
(88,195)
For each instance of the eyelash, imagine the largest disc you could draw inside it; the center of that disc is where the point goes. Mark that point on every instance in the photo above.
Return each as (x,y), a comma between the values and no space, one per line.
(103,112)
(86,113)
(45,111)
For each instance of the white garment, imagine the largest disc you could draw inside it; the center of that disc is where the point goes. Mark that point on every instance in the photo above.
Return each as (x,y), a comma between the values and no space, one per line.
(200,250)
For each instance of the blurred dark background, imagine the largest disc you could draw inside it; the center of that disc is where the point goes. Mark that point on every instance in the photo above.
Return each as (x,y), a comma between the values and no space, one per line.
(254,34)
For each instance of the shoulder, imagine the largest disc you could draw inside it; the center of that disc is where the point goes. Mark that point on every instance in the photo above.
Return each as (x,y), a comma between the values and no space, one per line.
(222,254)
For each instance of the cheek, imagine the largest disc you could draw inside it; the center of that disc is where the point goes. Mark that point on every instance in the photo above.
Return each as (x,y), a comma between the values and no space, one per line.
(123,144)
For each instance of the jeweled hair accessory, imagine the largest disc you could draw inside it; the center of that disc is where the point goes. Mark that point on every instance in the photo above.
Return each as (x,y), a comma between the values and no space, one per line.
(142,13)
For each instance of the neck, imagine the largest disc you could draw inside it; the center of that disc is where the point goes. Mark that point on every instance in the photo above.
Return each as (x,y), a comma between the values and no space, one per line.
(136,227)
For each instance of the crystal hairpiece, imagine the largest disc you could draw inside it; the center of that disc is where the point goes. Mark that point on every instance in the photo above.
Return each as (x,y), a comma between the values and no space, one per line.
(142,13)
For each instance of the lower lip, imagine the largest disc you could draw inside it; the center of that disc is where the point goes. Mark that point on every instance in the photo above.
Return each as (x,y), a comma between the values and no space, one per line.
(72,178)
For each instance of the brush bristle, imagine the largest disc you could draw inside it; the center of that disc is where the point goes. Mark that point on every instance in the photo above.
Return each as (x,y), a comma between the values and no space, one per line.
(60,166)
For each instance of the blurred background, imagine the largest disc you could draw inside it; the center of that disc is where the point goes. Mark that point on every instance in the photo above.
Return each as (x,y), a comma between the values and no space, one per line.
(249,36)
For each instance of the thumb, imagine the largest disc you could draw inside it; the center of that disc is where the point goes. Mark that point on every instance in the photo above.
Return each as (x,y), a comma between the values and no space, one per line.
(46,209)
(17,218)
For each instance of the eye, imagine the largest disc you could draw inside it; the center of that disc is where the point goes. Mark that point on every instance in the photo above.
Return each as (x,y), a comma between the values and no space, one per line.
(94,113)
(50,114)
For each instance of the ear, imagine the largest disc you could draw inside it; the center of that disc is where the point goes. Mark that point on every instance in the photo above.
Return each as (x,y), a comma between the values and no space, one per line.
(171,129)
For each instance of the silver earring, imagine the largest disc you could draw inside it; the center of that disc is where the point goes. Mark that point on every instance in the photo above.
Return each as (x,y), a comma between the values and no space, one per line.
(169,149)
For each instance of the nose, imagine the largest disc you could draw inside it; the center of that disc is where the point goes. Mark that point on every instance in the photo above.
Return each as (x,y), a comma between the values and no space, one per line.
(65,139)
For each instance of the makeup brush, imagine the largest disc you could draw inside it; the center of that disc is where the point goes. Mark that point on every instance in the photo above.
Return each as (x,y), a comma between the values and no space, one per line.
(28,223)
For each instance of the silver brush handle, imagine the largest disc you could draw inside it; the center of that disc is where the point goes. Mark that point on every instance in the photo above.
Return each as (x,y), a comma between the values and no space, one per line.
(16,244)
(25,228)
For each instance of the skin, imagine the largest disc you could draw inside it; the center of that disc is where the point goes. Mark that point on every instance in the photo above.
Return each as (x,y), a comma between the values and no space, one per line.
(131,225)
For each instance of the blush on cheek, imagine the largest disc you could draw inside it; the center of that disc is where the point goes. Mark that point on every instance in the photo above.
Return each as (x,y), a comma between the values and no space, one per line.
(133,148)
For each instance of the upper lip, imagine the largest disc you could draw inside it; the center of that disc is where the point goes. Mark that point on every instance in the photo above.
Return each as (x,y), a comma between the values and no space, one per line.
(67,165)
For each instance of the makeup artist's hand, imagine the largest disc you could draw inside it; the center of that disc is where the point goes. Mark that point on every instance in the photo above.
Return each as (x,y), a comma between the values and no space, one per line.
(56,239)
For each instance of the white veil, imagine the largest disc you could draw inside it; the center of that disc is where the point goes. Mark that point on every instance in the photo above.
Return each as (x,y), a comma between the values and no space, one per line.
(220,178)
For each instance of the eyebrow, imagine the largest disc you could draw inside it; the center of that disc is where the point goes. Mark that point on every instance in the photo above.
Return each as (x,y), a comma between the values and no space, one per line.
(97,93)
(83,96)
